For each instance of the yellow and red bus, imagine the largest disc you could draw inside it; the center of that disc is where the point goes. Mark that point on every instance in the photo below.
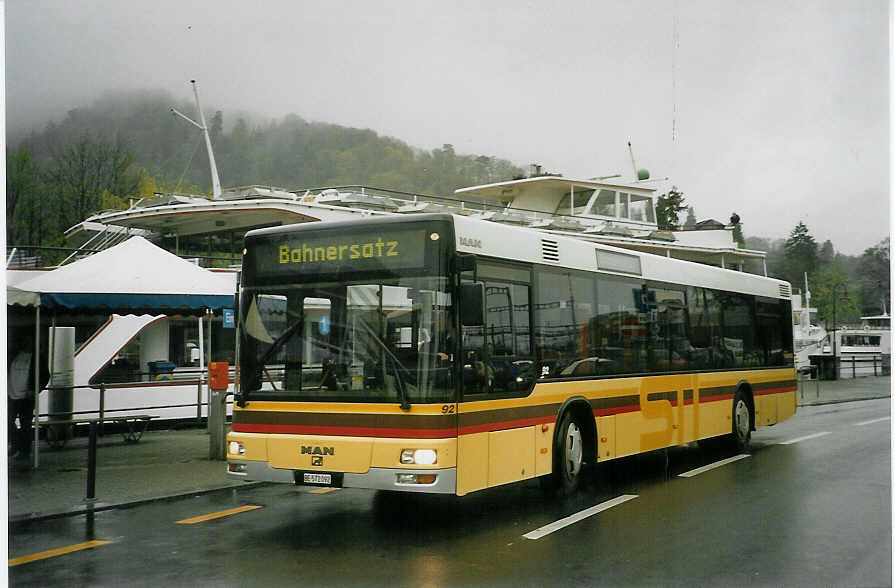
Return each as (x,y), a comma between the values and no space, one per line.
(444,354)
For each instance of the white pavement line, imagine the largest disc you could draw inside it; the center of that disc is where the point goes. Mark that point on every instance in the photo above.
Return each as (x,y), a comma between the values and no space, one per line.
(570,520)
(804,438)
(887,418)
(711,466)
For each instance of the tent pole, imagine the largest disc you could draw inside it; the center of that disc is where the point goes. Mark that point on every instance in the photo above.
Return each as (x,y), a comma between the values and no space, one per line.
(35,460)
(201,366)
(208,391)
(210,314)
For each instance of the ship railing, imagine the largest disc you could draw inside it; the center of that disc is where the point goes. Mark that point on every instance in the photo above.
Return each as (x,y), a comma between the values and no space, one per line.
(43,256)
(407,202)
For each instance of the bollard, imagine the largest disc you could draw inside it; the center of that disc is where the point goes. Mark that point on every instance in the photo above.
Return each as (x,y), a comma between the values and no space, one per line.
(217,418)
(91,464)
(218,381)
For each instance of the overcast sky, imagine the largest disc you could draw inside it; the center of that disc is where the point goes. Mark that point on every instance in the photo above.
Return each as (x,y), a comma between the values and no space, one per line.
(778,110)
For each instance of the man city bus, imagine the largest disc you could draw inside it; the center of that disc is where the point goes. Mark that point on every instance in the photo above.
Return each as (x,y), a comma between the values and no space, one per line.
(444,354)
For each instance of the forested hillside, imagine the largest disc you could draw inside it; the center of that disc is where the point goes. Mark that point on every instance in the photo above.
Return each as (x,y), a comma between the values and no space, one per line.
(127,145)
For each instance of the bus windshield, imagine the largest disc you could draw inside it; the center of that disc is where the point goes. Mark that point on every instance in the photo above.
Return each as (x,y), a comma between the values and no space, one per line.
(389,340)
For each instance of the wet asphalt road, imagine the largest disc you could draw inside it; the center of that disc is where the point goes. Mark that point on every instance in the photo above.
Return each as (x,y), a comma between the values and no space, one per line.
(813,512)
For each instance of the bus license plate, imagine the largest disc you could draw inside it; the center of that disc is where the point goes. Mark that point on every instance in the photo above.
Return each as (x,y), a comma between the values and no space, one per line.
(310,478)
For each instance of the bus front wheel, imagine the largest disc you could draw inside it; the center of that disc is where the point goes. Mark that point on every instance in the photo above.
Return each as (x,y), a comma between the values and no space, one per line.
(569,455)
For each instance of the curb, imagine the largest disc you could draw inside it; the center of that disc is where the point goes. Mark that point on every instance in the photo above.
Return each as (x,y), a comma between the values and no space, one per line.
(843,400)
(101,506)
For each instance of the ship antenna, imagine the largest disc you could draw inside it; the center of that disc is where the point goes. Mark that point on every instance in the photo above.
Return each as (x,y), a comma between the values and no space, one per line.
(215,181)
(632,160)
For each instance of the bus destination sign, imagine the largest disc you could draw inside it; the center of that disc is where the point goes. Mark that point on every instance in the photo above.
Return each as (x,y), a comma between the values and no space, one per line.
(338,252)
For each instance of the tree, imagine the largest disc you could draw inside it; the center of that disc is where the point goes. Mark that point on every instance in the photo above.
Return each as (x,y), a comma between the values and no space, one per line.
(668,208)
(216,128)
(83,171)
(738,237)
(874,281)
(800,254)
(23,198)
(826,254)
(836,303)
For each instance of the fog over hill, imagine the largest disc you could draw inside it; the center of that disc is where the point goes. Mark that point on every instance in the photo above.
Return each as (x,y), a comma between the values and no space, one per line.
(252,149)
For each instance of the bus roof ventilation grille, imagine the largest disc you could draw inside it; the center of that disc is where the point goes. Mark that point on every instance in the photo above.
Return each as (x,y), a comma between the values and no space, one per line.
(549,250)
(785,290)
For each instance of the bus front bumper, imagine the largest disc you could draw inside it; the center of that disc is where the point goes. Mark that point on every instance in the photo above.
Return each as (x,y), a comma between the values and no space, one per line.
(374,479)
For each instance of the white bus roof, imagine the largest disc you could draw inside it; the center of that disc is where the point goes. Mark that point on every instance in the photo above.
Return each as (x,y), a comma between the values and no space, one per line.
(528,245)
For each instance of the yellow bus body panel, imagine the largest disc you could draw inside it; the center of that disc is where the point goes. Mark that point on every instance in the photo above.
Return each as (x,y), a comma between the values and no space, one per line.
(510,456)
(510,439)
(471,470)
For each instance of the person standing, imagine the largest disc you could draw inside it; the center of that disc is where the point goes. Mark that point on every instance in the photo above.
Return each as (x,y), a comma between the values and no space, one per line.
(20,392)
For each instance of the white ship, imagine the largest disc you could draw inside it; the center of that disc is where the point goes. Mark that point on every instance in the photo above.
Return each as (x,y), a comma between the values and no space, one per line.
(864,351)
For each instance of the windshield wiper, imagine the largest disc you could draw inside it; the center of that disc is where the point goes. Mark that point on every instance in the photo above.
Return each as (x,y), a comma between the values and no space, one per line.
(401,391)
(242,397)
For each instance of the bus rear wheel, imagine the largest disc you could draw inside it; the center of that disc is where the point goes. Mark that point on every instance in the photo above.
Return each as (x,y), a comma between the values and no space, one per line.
(569,456)
(742,419)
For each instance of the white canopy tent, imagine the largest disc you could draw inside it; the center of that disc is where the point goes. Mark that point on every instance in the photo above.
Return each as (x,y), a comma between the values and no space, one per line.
(15,296)
(133,277)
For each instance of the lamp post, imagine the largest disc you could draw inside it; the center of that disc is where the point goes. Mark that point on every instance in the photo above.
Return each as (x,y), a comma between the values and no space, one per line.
(835,323)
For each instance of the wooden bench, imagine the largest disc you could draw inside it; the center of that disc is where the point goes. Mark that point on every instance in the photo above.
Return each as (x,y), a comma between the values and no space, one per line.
(132,429)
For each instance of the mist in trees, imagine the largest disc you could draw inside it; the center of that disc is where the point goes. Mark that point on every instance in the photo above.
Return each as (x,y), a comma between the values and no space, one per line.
(129,144)
(843,287)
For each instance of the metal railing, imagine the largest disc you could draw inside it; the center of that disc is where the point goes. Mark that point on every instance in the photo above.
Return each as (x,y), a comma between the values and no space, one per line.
(101,411)
(43,256)
(879,364)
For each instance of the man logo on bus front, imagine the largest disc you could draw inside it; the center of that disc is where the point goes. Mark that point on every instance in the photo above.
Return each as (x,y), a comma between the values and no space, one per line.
(317,450)
(316,453)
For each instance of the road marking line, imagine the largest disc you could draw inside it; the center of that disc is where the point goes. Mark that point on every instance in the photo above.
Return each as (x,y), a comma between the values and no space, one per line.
(570,520)
(887,418)
(217,515)
(804,438)
(323,490)
(711,466)
(55,552)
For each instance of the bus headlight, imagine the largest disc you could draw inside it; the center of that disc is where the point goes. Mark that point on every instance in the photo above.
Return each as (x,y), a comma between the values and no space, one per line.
(236,448)
(419,456)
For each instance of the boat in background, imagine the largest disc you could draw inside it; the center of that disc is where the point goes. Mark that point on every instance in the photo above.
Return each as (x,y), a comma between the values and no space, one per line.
(866,350)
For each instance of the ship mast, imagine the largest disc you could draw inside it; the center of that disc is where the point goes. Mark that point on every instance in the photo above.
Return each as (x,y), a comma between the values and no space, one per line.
(215,181)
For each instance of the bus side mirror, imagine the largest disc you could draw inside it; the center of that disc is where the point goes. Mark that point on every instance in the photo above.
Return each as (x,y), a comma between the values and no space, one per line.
(472,300)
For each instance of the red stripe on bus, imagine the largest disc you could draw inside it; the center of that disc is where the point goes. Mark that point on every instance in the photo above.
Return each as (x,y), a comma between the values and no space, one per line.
(516,424)
(446,433)
(615,410)
(345,431)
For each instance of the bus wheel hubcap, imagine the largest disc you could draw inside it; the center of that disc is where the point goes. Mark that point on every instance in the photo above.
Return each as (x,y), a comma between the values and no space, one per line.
(742,424)
(573,450)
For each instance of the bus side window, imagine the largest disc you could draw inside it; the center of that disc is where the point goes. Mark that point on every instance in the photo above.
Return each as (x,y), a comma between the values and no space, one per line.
(497,355)
(566,301)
